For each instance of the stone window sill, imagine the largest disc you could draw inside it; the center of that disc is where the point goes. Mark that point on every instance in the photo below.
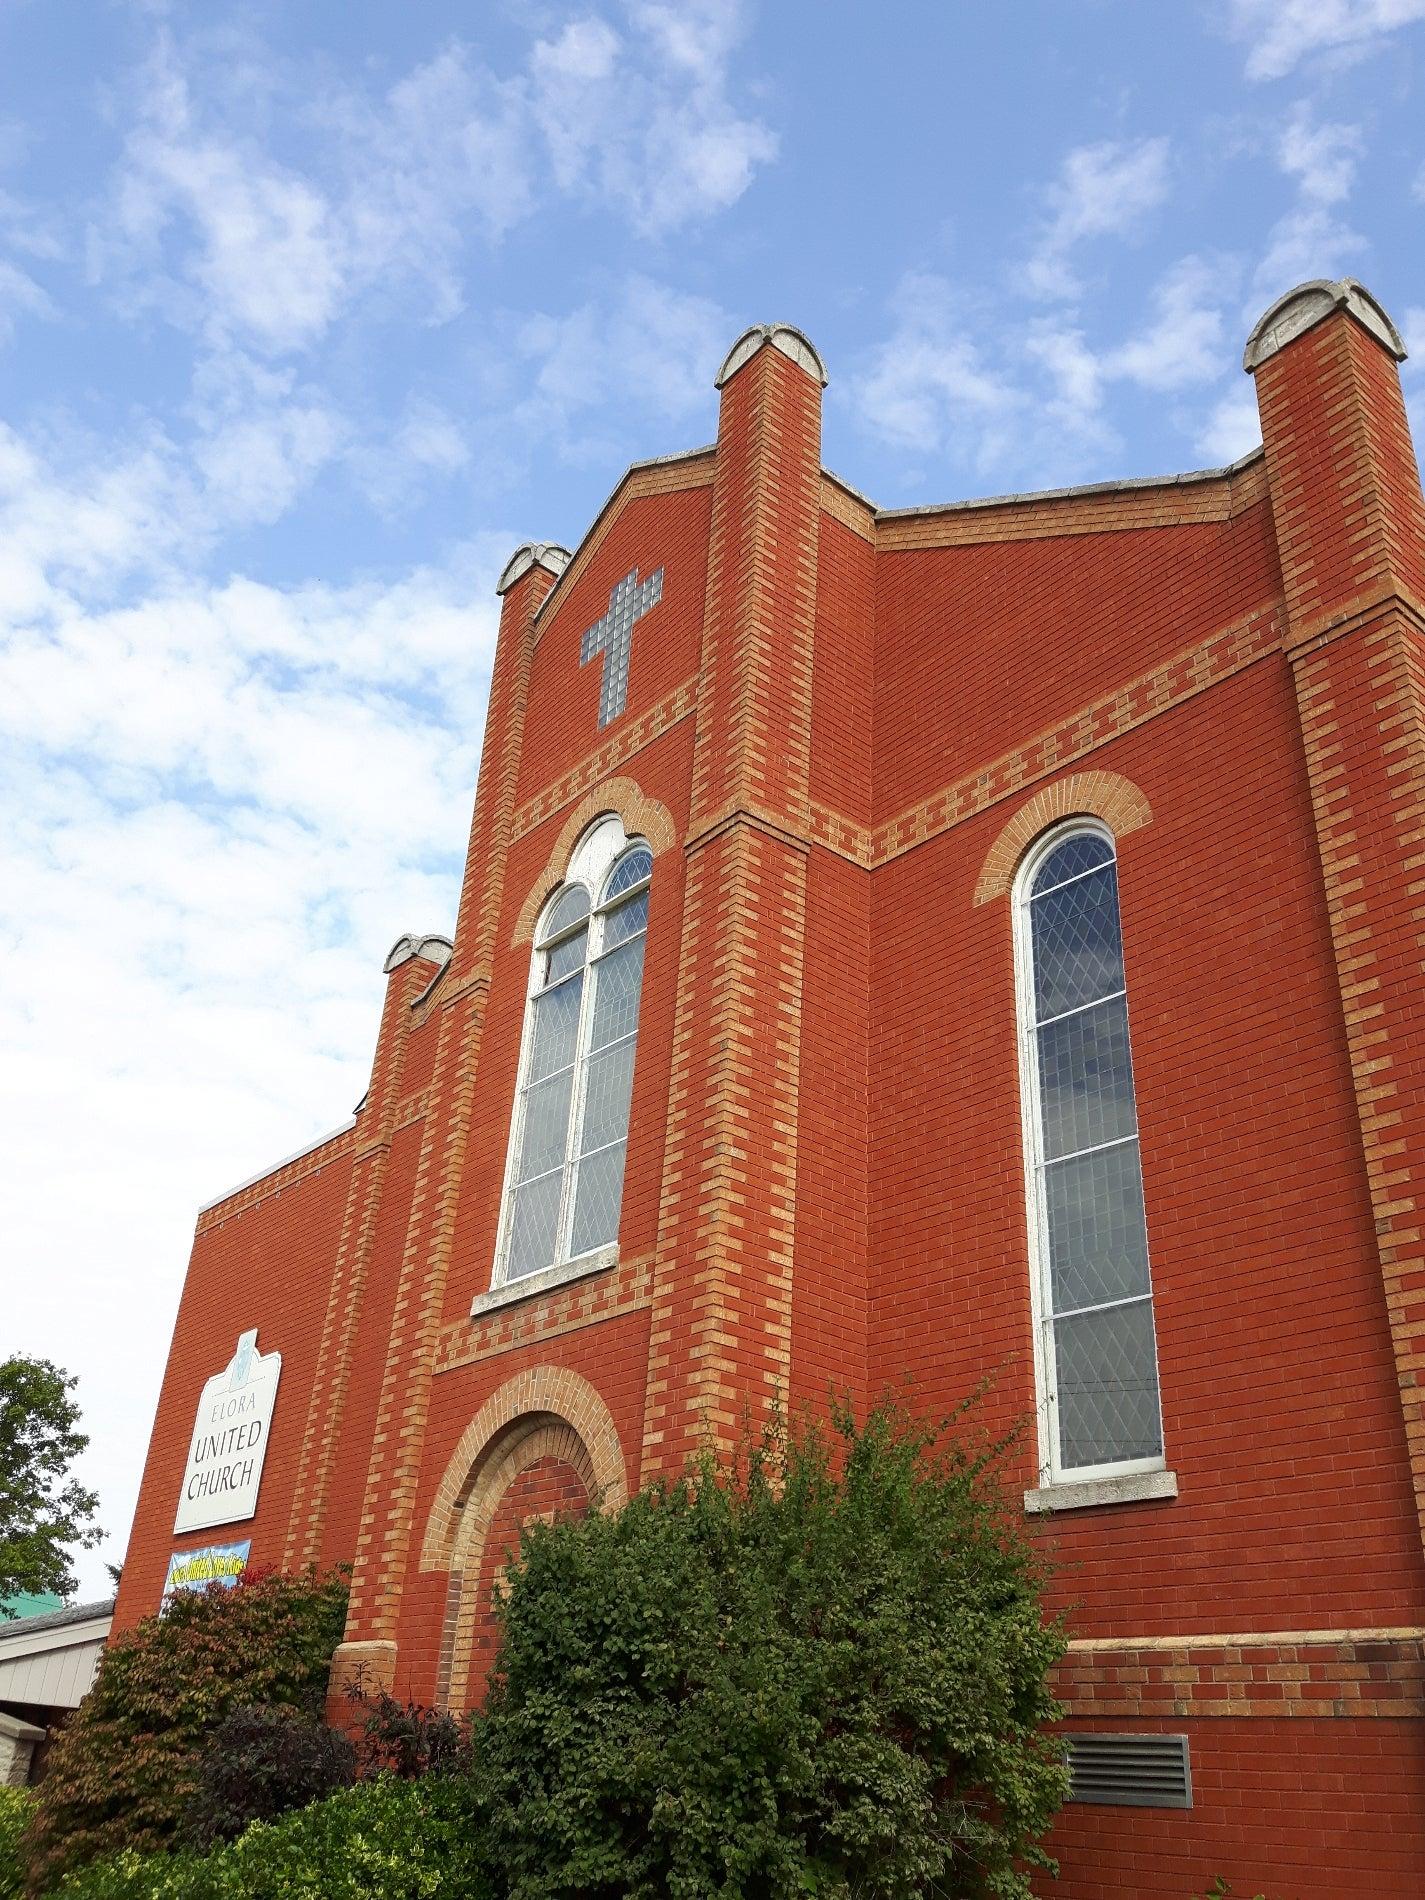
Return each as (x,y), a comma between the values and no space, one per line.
(1132,1489)
(536,1283)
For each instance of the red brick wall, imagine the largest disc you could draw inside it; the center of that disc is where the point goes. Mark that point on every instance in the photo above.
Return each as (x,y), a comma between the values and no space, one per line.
(1279,1407)
(832,720)
(1294,1810)
(265,1263)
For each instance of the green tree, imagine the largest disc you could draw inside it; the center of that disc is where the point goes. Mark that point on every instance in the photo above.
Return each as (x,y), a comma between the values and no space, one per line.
(824,1671)
(44,1513)
(125,1769)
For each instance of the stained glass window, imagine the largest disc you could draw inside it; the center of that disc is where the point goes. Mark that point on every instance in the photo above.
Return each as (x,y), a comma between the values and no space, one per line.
(1097,1352)
(565,1186)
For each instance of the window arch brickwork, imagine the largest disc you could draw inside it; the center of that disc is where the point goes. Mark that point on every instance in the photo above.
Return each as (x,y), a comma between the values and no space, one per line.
(1106,795)
(620,798)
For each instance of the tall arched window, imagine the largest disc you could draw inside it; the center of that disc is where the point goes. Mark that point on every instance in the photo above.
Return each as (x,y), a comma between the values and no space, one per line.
(564,1183)
(1095,1347)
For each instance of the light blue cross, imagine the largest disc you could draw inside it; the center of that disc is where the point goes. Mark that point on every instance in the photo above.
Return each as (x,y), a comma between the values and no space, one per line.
(612,636)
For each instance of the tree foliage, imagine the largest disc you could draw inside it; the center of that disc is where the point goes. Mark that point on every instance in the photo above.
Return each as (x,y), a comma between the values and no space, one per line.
(125,1768)
(822,1672)
(44,1513)
(14,1819)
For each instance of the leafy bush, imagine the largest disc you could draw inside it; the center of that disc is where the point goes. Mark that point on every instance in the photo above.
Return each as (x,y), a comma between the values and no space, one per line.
(382,1840)
(822,1672)
(15,1806)
(408,1739)
(125,1768)
(260,1763)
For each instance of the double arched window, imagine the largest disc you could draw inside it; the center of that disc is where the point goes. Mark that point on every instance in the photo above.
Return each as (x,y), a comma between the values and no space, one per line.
(564,1183)
(1096,1352)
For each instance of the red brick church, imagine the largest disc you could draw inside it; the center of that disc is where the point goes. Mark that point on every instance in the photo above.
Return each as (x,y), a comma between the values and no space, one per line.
(978,941)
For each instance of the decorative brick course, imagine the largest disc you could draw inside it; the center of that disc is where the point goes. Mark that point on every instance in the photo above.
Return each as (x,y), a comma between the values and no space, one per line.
(1310,1673)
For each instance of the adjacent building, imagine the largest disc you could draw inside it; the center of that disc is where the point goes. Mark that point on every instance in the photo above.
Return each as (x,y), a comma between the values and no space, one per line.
(978,943)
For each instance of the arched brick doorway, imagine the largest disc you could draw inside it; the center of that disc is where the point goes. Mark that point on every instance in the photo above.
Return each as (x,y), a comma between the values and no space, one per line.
(542,1446)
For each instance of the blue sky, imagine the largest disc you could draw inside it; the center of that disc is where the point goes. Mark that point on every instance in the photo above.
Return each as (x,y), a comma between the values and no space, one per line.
(309,314)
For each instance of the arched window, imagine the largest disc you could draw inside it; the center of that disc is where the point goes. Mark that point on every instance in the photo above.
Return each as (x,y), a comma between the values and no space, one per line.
(564,1183)
(1095,1346)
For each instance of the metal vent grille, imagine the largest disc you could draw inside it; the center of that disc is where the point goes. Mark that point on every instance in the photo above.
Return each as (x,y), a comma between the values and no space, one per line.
(1133,1771)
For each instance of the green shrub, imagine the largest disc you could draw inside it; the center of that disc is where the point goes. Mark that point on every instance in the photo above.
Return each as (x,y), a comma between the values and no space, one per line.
(822,1672)
(15,1809)
(259,1764)
(123,1770)
(383,1840)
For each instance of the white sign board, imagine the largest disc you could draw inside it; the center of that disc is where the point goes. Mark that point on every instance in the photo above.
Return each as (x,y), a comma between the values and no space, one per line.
(224,1469)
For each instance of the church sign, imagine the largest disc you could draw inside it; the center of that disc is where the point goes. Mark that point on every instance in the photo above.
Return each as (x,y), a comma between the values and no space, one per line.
(224,1469)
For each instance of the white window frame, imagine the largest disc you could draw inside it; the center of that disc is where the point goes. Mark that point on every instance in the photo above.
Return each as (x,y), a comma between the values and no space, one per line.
(1053,1474)
(591,864)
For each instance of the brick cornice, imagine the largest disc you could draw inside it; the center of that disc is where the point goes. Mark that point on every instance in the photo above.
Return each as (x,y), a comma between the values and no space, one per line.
(1292,1673)
(1318,630)
(670,477)
(1176,502)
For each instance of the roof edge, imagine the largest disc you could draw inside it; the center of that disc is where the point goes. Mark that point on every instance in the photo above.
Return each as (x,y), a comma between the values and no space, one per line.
(275,1167)
(1129,485)
(634,468)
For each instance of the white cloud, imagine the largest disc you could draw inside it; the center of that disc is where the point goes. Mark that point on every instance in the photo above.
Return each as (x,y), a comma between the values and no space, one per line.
(378,194)
(20,296)
(224,802)
(1103,190)
(1032,400)
(1311,239)
(1232,426)
(656,134)
(1185,342)
(641,346)
(1282,33)
(1321,157)
(928,386)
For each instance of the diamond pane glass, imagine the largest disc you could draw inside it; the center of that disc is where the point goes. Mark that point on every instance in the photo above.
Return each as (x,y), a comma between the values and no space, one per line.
(566,956)
(1082,853)
(1078,949)
(533,1219)
(618,979)
(606,1096)
(1086,1079)
(597,1200)
(632,868)
(626,920)
(571,904)
(556,1028)
(1108,1386)
(545,1137)
(1098,1250)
